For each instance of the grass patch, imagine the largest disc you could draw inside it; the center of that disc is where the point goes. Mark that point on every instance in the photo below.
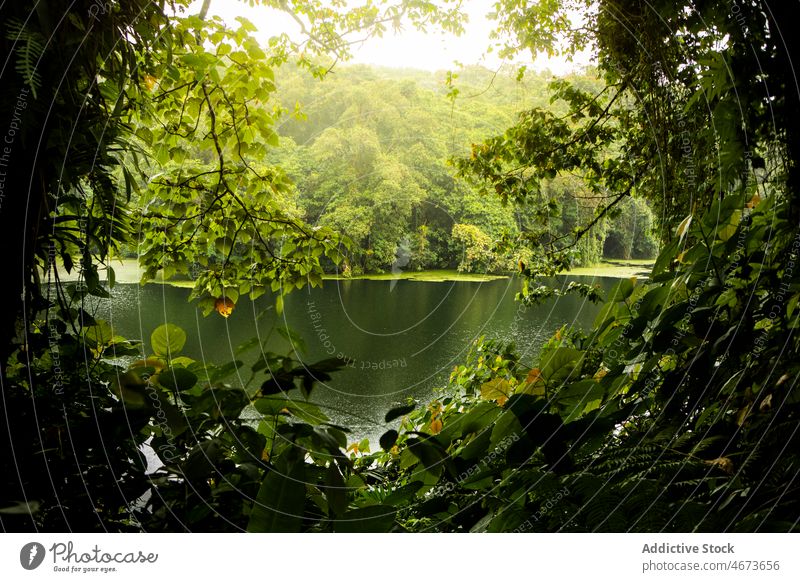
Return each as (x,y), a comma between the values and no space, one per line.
(436,276)
(617,268)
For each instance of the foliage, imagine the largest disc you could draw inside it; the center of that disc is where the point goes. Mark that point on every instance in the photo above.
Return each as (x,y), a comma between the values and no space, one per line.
(64,138)
(370,155)
(660,418)
(211,205)
(676,411)
(140,91)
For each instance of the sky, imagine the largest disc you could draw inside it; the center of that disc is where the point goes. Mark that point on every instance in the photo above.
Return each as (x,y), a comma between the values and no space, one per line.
(432,51)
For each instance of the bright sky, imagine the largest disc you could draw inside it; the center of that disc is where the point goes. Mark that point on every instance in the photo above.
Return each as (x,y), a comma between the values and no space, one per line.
(430,51)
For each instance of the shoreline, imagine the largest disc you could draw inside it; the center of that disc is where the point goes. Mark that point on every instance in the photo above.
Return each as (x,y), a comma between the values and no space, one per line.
(127,271)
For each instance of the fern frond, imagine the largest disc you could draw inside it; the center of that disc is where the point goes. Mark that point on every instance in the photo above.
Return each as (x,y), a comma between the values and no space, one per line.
(29,47)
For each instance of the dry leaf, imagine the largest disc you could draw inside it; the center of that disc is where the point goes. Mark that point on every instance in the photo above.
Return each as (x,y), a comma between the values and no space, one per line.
(534,376)
(224,306)
(742,415)
(722,463)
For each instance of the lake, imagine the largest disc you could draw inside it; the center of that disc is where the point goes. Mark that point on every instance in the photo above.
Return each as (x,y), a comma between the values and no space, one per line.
(399,338)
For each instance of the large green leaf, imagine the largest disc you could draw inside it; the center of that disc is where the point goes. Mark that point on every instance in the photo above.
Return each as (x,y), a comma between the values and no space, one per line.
(305,411)
(622,290)
(580,397)
(498,389)
(167,340)
(280,502)
(100,333)
(335,490)
(372,519)
(560,363)
(177,378)
(388,439)
(399,411)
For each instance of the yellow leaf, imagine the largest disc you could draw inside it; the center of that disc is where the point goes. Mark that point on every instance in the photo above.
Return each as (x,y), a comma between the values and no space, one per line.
(723,463)
(534,376)
(742,415)
(601,373)
(683,227)
(753,202)
(149,82)
(498,390)
(224,306)
(728,230)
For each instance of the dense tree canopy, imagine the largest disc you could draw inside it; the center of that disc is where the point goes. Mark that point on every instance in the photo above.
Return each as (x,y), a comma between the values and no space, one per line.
(371,158)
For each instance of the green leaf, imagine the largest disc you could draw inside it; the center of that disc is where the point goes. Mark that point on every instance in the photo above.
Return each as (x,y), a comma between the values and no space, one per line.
(335,490)
(167,340)
(280,502)
(404,494)
(225,370)
(506,426)
(622,290)
(498,389)
(295,339)
(305,411)
(372,519)
(560,363)
(177,379)
(579,398)
(388,439)
(478,417)
(247,345)
(398,411)
(279,304)
(100,333)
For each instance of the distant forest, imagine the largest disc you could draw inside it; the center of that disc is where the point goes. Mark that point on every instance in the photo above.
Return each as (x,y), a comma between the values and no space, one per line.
(369,149)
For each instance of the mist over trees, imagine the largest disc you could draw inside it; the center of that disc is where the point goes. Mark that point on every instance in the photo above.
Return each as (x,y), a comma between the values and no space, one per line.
(370,152)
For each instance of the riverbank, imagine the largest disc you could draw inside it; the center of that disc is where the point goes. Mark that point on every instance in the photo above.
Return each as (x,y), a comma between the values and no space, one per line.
(128,271)
(617,268)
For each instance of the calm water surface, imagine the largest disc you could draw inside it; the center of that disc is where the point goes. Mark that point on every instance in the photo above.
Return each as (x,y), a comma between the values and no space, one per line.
(399,338)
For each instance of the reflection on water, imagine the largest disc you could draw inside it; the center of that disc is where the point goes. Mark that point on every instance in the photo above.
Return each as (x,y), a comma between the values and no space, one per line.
(398,338)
